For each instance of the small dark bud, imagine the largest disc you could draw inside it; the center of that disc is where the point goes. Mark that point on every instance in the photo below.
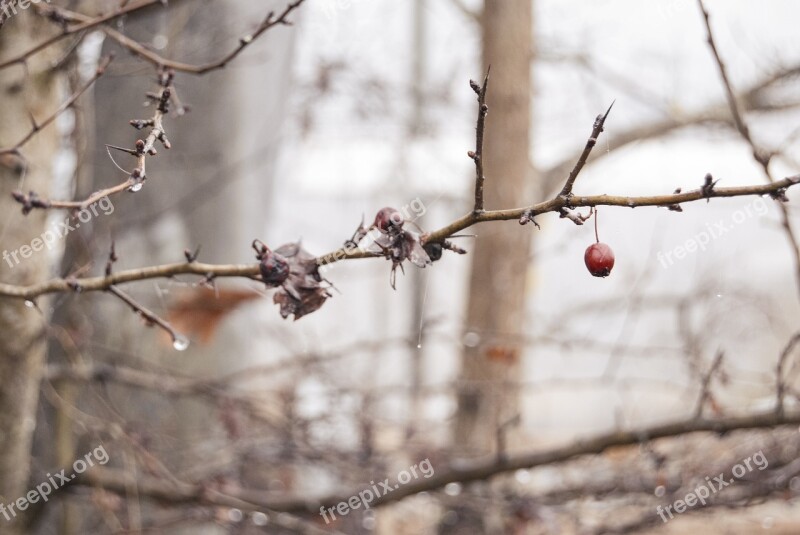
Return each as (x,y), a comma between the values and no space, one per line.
(434,251)
(74,285)
(139,124)
(708,186)
(779,195)
(450,246)
(162,137)
(526,218)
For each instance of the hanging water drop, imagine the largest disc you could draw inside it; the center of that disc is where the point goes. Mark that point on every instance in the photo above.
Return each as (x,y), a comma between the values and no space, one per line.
(422,312)
(180,343)
(452,489)
(471,339)
(160,42)
(136,187)
(368,522)
(30,304)
(260,519)
(522,476)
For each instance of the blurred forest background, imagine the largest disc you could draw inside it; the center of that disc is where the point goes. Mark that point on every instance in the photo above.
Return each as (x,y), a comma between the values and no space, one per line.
(530,387)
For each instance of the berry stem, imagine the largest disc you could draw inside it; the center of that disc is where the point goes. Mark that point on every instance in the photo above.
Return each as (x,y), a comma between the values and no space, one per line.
(596,236)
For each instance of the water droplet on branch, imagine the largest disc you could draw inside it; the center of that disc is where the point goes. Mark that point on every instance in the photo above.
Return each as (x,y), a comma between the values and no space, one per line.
(180,343)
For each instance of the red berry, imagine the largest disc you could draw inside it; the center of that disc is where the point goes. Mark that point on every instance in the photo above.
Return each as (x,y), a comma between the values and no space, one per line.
(599,259)
(388,217)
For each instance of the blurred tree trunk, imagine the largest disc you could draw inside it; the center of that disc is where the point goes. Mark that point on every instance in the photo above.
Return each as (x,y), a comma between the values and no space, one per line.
(208,190)
(33,90)
(496,308)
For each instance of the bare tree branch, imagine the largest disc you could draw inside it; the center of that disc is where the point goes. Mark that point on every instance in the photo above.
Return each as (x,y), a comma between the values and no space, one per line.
(39,126)
(136,48)
(480,130)
(705,390)
(753,99)
(597,129)
(87,25)
(465,471)
(780,380)
(759,155)
(252,270)
(143,149)
(558,204)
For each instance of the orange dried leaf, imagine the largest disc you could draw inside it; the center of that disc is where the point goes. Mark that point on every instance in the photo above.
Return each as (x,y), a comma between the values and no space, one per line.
(199,312)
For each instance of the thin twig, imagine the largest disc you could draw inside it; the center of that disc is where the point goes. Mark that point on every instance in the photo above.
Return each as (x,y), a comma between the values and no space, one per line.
(150,316)
(480,129)
(780,380)
(733,104)
(759,155)
(143,149)
(597,129)
(705,387)
(556,204)
(38,127)
(146,54)
(753,98)
(93,284)
(89,24)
